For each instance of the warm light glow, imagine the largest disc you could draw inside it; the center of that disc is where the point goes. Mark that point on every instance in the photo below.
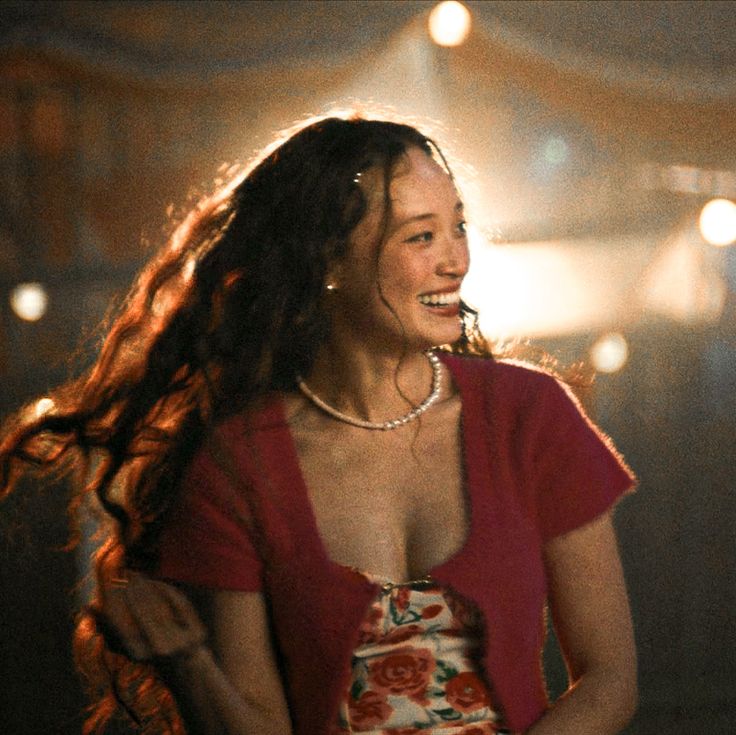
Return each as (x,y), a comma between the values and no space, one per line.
(609,353)
(718,222)
(545,289)
(189,268)
(449,23)
(29,301)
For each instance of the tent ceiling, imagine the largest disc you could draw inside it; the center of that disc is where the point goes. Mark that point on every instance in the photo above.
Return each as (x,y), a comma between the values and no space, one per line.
(683,35)
(206,38)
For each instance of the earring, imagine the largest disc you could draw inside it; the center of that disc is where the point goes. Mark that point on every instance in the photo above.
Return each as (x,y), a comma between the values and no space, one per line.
(331,288)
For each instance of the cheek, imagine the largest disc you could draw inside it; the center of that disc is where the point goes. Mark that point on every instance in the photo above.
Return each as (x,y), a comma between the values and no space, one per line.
(409,271)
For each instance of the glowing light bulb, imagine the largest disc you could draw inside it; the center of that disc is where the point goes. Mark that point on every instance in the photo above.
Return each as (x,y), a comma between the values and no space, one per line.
(449,23)
(717,222)
(609,353)
(29,301)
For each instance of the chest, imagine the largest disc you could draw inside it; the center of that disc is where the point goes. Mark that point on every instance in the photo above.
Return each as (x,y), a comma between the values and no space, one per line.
(391,503)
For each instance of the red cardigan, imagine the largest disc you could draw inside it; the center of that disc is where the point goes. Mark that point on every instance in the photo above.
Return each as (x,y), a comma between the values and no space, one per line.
(535,467)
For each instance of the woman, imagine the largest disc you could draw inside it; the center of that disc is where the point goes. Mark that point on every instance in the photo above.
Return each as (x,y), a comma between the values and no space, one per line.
(323,523)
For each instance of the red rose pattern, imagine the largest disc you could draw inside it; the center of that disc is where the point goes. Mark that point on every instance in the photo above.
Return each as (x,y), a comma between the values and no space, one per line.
(431,611)
(369,628)
(369,710)
(402,633)
(414,666)
(404,672)
(467,693)
(401,598)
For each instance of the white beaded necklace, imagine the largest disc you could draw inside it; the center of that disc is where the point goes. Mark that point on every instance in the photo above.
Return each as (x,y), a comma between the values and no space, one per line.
(434,361)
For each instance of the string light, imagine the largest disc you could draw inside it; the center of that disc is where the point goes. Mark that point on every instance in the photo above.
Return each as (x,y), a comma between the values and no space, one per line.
(449,23)
(717,222)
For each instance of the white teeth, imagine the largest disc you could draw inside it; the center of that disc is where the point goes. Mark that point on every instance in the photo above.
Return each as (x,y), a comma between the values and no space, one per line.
(440,299)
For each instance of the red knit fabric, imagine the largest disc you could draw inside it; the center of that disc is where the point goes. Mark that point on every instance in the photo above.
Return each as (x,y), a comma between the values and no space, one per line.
(535,467)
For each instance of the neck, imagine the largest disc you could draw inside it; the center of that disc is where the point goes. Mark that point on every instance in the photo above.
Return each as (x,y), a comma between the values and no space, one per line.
(368,384)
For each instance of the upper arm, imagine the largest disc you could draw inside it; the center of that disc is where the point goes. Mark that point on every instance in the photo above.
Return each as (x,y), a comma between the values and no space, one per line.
(240,638)
(589,604)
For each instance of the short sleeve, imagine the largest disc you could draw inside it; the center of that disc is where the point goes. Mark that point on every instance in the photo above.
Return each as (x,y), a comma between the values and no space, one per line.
(206,540)
(578,474)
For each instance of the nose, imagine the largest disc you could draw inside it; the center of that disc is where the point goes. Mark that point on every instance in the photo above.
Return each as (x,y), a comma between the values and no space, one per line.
(455,258)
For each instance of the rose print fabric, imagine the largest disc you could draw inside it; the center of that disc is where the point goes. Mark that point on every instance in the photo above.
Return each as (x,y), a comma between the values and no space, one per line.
(414,668)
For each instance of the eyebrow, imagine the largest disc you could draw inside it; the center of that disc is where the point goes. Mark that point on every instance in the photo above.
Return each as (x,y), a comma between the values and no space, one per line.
(459,207)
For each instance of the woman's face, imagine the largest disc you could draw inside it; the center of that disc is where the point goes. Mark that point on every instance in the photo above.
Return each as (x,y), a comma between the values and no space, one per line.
(404,291)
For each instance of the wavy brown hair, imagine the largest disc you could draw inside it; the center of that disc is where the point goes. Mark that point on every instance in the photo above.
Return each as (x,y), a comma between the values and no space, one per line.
(229,310)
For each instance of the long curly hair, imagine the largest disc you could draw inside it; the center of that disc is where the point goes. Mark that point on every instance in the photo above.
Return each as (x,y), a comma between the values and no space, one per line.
(229,310)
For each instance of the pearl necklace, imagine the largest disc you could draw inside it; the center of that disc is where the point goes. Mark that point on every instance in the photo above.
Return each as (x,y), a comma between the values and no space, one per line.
(434,361)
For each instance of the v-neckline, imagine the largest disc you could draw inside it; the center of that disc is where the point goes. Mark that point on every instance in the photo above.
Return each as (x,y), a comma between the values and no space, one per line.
(469,479)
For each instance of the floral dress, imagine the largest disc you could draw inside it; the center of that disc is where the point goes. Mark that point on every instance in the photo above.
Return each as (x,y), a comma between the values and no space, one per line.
(415,667)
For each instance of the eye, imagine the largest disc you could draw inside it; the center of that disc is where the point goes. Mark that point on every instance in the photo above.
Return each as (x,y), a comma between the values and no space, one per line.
(462,227)
(422,237)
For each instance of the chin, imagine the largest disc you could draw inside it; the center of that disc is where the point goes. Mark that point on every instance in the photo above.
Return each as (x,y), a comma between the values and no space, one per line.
(437,337)
(422,336)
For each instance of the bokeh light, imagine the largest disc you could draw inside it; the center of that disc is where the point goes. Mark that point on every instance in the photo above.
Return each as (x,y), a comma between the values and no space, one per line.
(610,353)
(555,151)
(449,23)
(29,301)
(718,222)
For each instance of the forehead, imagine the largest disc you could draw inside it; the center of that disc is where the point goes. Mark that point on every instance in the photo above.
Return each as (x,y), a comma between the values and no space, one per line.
(417,182)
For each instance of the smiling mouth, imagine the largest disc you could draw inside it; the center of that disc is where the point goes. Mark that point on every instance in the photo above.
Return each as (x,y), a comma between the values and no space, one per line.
(451,298)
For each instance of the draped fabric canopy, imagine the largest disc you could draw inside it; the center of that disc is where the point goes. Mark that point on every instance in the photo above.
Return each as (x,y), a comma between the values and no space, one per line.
(679,49)
(660,70)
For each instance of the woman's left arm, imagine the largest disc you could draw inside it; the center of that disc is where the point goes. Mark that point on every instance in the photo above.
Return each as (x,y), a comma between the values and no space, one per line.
(590,611)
